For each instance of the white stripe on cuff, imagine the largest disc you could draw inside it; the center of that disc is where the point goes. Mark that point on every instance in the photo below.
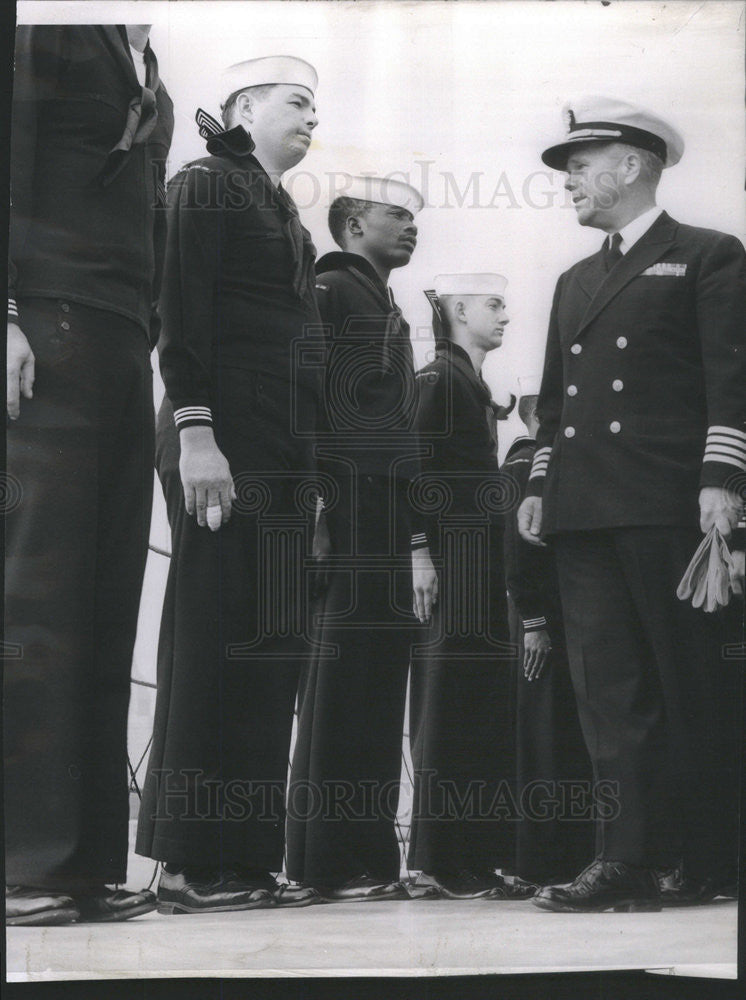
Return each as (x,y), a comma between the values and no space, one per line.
(534,623)
(12,309)
(541,461)
(418,538)
(188,414)
(726,444)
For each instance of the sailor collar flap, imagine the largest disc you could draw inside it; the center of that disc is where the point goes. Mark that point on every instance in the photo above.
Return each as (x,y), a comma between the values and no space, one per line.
(460,360)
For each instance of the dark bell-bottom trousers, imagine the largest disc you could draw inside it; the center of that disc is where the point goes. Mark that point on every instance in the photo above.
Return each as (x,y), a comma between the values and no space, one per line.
(554,787)
(462,707)
(645,668)
(233,638)
(345,778)
(78,502)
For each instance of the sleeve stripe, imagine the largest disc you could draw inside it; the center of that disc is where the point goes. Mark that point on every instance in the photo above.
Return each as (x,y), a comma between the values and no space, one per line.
(730,432)
(188,415)
(12,309)
(534,621)
(540,463)
(718,456)
(419,537)
(726,449)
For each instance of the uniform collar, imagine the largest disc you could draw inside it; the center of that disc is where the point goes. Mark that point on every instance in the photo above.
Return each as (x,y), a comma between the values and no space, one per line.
(461,360)
(343,260)
(447,347)
(522,441)
(637,228)
(235,142)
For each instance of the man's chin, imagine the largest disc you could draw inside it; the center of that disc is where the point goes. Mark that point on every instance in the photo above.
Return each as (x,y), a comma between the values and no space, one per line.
(400,258)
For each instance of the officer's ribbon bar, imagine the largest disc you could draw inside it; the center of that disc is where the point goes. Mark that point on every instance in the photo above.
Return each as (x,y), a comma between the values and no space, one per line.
(666,269)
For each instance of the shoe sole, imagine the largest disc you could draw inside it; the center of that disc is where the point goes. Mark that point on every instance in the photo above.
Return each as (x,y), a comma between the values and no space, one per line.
(398,897)
(626,906)
(176,909)
(50,918)
(112,918)
(306,902)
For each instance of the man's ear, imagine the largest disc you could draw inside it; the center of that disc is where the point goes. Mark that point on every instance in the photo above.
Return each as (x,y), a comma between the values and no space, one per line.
(631,166)
(245,107)
(459,310)
(352,225)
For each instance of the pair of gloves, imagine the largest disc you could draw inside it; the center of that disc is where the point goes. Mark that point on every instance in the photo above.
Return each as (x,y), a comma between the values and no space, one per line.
(713,575)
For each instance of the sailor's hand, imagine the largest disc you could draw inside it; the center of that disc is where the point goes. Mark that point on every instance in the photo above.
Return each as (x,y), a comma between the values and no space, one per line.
(206,478)
(529,521)
(20,370)
(424,584)
(536,647)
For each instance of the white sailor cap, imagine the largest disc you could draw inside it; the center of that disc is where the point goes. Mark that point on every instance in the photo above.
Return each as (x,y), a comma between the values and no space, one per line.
(470,284)
(381,190)
(267,70)
(529,385)
(606,119)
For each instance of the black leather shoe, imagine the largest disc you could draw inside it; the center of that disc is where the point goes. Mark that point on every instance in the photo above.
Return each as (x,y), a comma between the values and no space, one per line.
(518,888)
(26,907)
(604,885)
(283,893)
(291,894)
(365,889)
(465,884)
(695,892)
(199,890)
(106,905)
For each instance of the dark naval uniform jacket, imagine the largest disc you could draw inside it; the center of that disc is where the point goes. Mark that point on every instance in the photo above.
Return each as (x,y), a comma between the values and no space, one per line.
(642,404)
(369,398)
(353,693)
(643,397)
(238,296)
(461,703)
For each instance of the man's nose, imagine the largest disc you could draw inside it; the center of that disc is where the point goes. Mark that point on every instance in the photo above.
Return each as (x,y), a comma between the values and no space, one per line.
(313,120)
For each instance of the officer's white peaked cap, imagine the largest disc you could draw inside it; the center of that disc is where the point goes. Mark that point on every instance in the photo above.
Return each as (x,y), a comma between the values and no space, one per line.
(606,119)
(380,190)
(267,70)
(470,284)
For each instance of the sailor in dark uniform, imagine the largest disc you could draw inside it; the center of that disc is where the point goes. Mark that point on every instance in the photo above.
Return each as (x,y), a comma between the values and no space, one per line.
(642,435)
(461,728)
(92,126)
(233,457)
(553,773)
(346,768)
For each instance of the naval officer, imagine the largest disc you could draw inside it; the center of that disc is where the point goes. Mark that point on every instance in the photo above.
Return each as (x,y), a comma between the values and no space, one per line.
(344,782)
(642,430)
(232,453)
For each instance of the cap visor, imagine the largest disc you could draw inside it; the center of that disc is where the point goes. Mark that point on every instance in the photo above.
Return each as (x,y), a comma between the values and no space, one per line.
(556,156)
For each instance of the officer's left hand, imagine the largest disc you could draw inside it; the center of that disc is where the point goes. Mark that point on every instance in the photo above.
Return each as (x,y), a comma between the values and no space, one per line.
(720,507)
(424,584)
